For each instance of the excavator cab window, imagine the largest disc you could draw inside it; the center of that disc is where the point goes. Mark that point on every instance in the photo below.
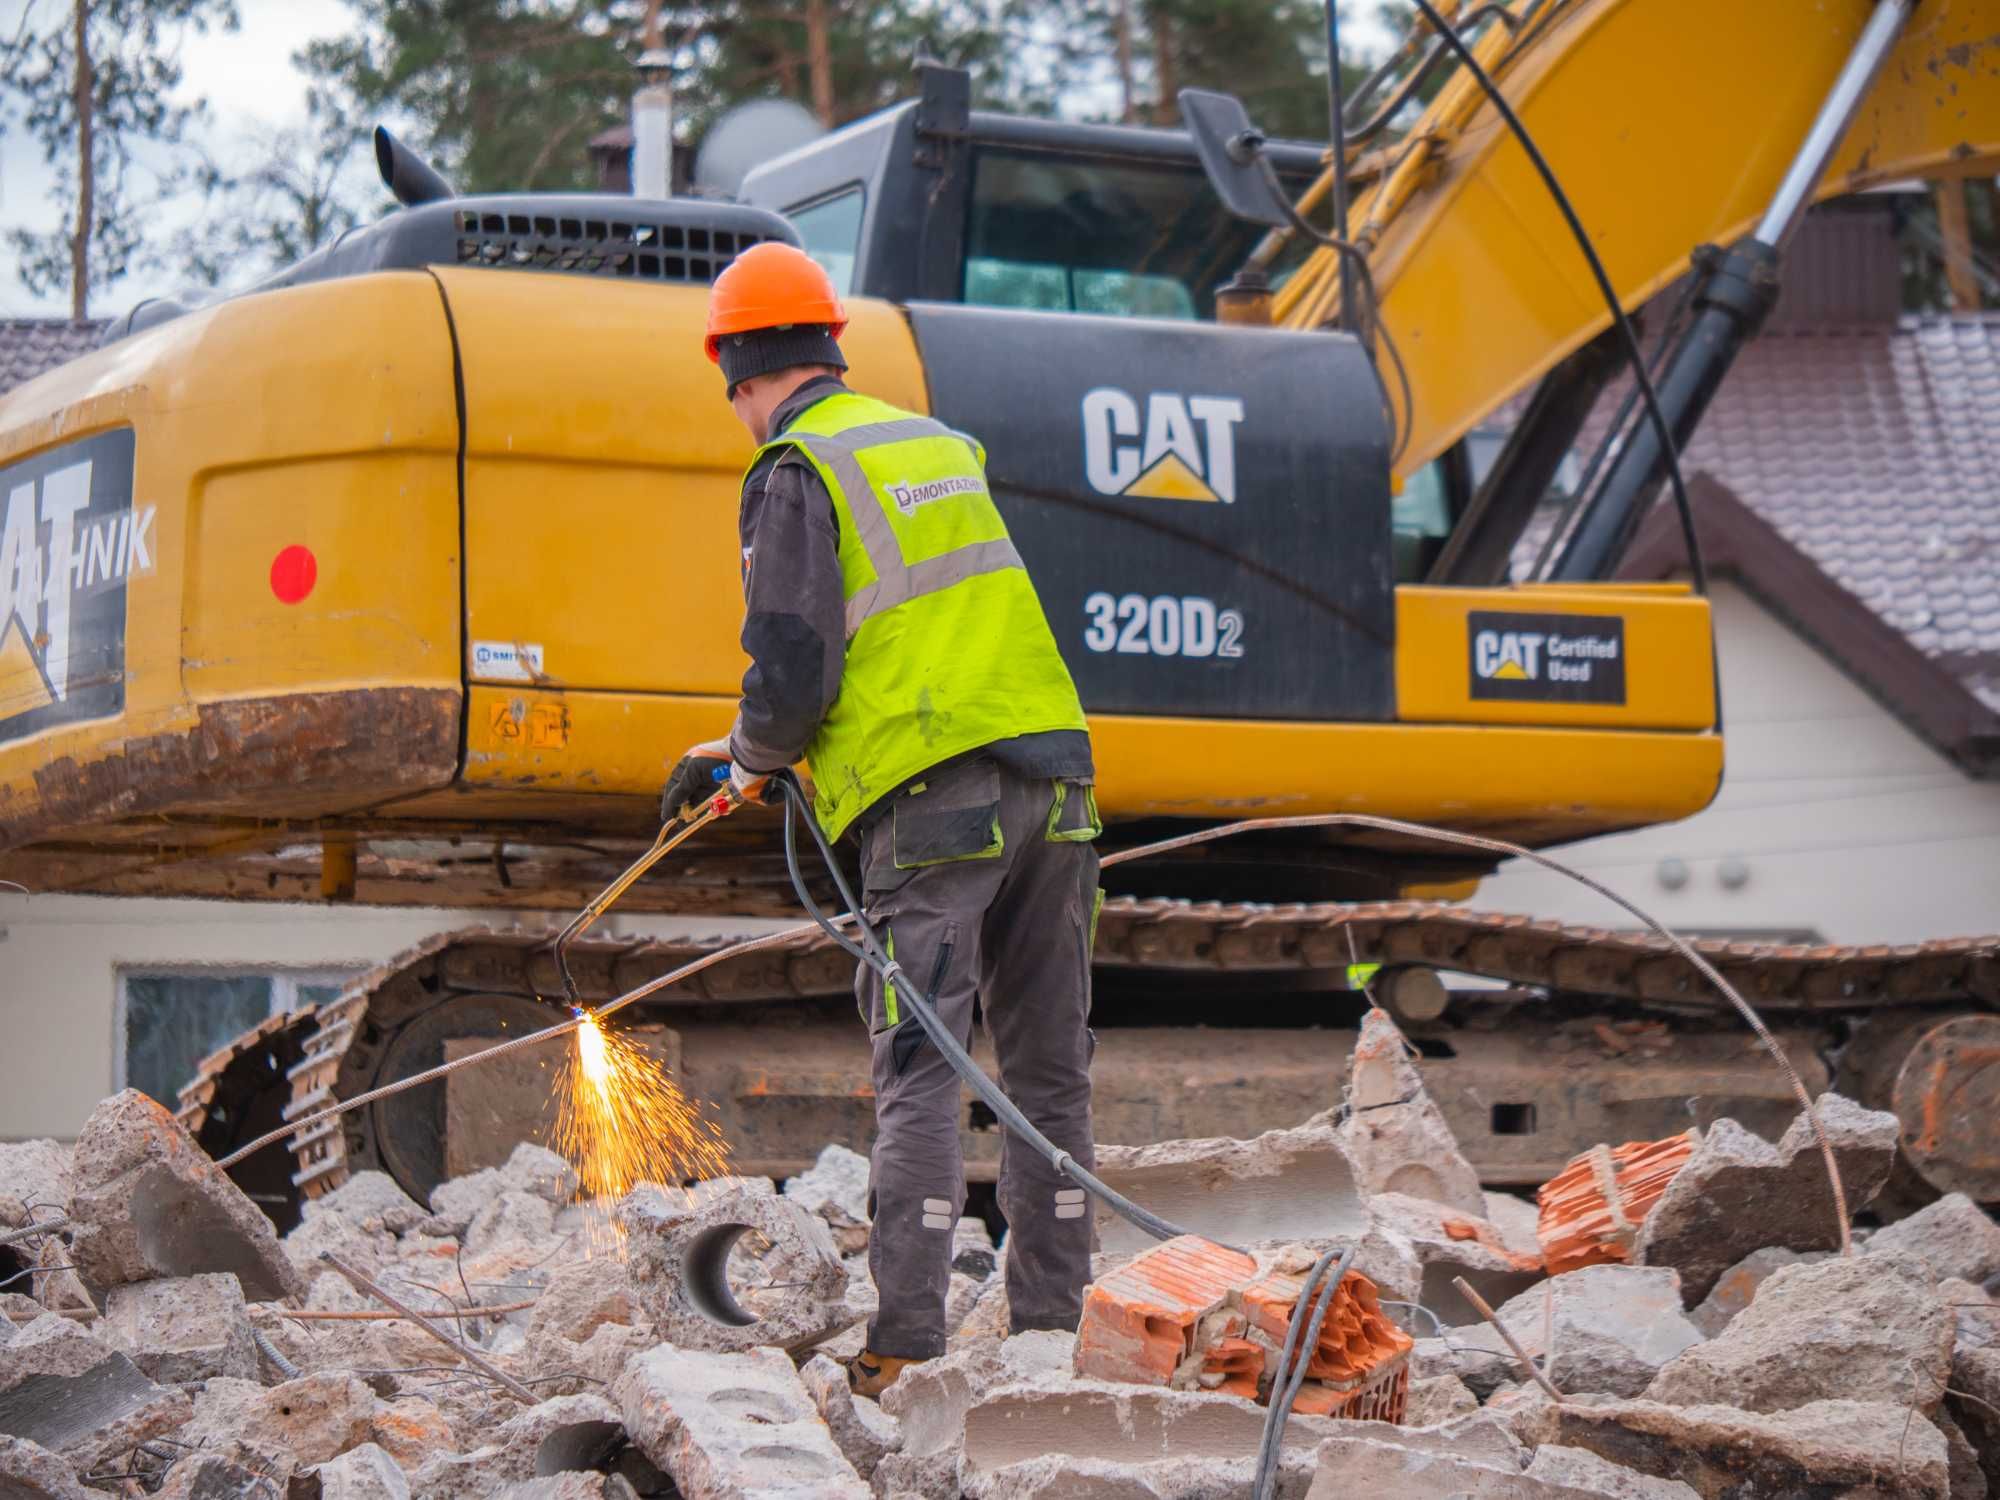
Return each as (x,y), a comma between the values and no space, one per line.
(1116,238)
(933,201)
(831,233)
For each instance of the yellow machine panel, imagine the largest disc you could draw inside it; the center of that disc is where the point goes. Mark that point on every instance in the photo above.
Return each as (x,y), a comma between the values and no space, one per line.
(602,468)
(282,638)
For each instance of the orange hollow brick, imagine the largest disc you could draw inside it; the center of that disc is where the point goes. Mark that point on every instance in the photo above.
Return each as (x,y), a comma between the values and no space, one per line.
(1138,1322)
(1358,1345)
(1592,1209)
(1234,1366)
(1385,1398)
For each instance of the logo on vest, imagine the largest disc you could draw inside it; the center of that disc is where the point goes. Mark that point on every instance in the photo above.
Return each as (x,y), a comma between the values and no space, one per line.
(909,496)
(1185,449)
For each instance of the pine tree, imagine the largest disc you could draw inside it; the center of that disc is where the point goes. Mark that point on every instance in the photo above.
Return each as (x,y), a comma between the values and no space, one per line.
(92,80)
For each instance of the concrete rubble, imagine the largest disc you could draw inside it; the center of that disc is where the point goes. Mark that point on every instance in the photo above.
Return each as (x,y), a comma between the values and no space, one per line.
(1833,1447)
(1954,1236)
(1686,1297)
(148,1202)
(183,1328)
(864,1433)
(1394,1134)
(732,1424)
(365,1472)
(1737,1286)
(70,1392)
(1738,1192)
(676,1256)
(1291,1184)
(35,1182)
(1608,1328)
(1856,1324)
(836,1188)
(28,1471)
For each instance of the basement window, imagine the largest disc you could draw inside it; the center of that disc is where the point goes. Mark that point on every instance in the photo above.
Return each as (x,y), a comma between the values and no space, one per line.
(1513,1119)
(168,1021)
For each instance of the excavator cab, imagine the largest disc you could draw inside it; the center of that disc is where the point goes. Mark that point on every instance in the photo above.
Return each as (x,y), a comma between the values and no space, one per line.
(933,201)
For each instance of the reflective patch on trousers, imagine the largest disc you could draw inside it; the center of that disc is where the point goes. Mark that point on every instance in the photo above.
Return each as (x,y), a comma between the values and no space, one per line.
(1069,1203)
(937,1214)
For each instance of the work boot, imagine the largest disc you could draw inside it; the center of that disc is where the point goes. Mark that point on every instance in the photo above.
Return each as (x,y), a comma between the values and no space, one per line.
(871,1374)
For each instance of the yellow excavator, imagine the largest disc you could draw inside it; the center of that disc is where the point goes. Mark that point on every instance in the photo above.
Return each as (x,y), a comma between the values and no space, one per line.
(404,576)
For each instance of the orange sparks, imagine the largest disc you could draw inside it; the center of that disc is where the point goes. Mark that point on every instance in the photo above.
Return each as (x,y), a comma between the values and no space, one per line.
(622,1121)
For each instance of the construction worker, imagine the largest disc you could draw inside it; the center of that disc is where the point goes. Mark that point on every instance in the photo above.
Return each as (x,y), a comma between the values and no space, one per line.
(896,643)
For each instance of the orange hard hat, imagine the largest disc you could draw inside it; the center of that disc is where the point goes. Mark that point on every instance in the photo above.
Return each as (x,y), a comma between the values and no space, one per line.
(771,286)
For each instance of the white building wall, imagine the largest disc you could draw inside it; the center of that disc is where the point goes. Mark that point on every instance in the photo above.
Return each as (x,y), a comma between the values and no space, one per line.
(60,958)
(1844,822)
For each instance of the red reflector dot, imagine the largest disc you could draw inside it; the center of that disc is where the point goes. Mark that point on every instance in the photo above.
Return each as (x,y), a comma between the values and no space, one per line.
(294,571)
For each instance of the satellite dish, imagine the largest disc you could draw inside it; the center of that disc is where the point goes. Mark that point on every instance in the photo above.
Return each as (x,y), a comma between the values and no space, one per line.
(748,135)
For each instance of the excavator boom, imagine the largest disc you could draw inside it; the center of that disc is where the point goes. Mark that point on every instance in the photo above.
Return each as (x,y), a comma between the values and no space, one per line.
(1671,126)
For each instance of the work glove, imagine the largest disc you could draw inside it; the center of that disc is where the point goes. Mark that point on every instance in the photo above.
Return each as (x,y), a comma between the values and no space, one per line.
(705,770)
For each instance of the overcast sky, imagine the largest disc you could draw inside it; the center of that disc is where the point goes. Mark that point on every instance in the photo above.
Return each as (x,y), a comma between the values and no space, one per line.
(252,89)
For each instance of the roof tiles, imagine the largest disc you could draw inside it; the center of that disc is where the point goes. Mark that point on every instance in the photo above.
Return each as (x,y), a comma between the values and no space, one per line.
(30,346)
(1875,451)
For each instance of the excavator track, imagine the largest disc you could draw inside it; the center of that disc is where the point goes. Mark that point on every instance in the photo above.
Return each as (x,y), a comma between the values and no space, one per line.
(1601,1029)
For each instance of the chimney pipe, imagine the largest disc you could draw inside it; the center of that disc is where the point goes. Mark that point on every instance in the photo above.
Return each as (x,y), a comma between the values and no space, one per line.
(653,127)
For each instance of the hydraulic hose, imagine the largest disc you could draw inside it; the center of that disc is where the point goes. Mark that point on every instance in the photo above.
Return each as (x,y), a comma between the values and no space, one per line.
(1309,1315)
(870,952)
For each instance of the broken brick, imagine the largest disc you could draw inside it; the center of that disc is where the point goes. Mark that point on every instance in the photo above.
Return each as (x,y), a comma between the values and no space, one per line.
(1592,1209)
(1138,1322)
(1234,1366)
(1361,1361)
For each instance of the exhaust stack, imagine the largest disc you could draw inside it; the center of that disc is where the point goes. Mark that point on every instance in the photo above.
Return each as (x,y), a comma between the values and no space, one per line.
(406,174)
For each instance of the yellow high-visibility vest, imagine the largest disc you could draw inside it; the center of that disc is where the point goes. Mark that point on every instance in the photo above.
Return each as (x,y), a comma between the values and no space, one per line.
(947,645)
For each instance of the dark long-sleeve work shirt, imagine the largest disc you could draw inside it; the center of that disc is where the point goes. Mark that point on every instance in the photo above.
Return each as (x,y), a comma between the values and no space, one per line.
(794,626)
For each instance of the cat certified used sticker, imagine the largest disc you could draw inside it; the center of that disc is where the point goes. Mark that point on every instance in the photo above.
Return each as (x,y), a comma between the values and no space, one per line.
(1547,658)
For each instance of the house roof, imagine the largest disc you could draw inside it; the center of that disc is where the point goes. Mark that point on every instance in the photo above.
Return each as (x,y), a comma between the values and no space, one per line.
(29,346)
(1851,478)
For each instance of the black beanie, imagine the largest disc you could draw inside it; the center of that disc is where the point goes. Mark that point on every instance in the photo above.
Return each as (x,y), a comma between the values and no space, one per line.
(744,356)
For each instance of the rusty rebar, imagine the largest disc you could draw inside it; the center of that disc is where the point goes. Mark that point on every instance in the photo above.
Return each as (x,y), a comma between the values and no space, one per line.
(1479,1304)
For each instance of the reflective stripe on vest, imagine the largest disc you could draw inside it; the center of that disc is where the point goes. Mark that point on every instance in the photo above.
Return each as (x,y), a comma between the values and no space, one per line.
(896,582)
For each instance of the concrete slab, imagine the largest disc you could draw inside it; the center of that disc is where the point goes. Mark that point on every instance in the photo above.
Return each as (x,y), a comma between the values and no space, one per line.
(182,1328)
(1292,1184)
(728,1425)
(76,1396)
(149,1203)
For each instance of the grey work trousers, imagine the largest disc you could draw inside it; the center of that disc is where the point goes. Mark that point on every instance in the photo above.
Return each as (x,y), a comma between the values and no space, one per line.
(983,883)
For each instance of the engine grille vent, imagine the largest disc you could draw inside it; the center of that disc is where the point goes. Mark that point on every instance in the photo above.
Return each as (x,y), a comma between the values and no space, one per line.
(599,247)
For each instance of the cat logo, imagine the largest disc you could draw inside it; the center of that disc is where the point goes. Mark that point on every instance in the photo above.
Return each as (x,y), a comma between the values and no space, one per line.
(1547,658)
(1508,655)
(1164,459)
(70,541)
